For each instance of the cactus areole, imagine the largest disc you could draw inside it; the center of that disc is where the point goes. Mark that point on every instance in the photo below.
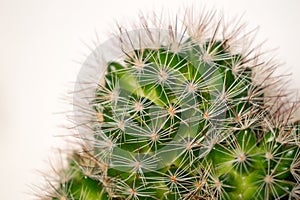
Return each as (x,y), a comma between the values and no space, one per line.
(181,111)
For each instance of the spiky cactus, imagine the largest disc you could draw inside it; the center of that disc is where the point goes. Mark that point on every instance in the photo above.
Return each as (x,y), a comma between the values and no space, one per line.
(183,112)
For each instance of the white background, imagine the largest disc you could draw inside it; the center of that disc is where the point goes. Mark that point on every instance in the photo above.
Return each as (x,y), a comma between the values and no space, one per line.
(40,42)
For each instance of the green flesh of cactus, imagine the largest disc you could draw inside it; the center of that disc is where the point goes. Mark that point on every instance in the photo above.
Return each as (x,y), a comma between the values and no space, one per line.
(184,125)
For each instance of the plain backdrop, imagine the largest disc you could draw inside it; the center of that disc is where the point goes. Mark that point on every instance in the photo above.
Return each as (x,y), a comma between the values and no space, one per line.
(42,43)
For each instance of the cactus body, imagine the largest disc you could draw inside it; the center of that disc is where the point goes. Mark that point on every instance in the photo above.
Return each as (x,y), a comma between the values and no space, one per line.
(185,118)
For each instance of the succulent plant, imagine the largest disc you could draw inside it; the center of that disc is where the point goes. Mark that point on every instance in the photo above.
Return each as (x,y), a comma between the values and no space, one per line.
(189,110)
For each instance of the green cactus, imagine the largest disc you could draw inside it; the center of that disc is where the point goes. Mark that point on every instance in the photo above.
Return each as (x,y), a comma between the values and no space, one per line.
(185,119)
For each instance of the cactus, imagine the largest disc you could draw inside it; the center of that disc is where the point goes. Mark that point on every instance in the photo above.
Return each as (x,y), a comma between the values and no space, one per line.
(185,112)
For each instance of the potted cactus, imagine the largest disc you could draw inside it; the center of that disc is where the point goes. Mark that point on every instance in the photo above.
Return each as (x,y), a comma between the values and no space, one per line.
(184,110)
